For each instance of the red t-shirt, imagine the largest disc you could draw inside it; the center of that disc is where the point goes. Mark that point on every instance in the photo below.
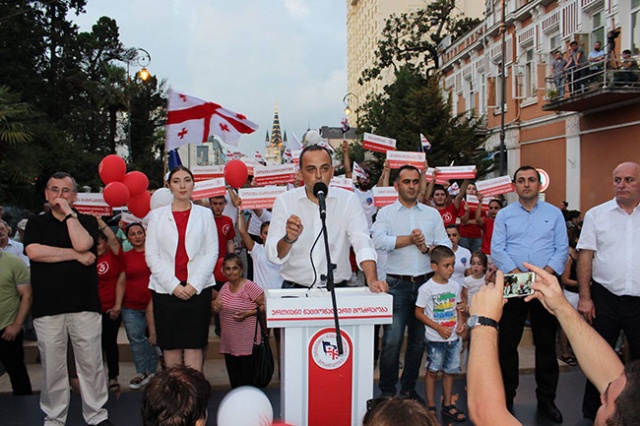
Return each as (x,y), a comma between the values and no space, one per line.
(136,290)
(109,268)
(226,232)
(182,258)
(449,214)
(237,337)
(486,236)
(471,230)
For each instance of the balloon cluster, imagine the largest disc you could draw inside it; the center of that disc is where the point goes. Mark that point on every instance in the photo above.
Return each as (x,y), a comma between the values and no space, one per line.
(124,188)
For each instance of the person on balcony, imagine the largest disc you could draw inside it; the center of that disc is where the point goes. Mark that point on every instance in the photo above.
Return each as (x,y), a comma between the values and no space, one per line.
(628,69)
(558,71)
(575,68)
(596,60)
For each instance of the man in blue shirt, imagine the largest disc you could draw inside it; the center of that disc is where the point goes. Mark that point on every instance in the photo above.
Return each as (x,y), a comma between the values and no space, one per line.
(408,230)
(533,231)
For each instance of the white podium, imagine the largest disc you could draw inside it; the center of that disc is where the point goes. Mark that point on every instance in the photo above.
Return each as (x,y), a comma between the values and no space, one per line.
(318,387)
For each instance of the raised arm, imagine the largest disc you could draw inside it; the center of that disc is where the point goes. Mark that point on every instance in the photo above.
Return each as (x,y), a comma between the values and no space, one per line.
(112,240)
(242,230)
(463,190)
(385,175)
(346,160)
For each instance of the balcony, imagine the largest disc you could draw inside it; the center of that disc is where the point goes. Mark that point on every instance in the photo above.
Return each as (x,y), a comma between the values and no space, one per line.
(586,89)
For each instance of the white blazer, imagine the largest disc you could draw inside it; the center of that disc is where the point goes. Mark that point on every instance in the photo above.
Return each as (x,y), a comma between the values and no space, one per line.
(201,242)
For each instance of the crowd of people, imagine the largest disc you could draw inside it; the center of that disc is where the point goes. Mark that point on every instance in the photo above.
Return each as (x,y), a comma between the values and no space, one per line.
(431,250)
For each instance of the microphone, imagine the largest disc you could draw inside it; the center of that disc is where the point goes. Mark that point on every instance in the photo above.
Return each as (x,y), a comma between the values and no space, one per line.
(320,191)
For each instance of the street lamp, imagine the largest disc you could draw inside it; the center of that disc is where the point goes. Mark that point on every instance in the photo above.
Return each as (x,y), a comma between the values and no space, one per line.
(141,58)
(351,98)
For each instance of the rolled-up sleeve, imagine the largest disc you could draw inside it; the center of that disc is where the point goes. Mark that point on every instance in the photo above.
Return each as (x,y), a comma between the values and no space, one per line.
(277,230)
(358,232)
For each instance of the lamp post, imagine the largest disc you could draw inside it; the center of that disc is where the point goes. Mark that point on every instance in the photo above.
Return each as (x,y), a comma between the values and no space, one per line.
(503,95)
(349,98)
(141,58)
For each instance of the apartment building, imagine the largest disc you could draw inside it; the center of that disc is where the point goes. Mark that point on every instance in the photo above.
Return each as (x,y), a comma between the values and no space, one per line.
(577,138)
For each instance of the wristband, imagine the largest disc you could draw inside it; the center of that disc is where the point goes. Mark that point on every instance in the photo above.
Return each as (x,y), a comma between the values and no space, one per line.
(287,240)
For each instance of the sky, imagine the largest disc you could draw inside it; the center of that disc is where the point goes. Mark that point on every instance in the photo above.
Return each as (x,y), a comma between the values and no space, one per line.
(247,55)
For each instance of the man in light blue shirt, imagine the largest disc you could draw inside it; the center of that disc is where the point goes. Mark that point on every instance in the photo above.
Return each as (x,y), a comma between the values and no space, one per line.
(407,230)
(533,231)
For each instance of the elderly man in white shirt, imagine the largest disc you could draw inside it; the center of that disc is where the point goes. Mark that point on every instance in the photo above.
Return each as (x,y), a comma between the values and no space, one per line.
(296,225)
(609,268)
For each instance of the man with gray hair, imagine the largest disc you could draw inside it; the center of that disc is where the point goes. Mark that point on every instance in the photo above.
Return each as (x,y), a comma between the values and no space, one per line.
(62,247)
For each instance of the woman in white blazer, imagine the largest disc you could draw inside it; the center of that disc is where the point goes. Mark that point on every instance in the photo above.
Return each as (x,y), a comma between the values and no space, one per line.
(181,251)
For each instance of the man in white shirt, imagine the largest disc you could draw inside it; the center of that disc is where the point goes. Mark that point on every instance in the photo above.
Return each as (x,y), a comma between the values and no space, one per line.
(11,246)
(609,268)
(296,224)
(407,230)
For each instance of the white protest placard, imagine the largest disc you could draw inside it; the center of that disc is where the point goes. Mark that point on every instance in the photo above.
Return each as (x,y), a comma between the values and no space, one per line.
(384,195)
(398,159)
(472,202)
(209,188)
(344,183)
(431,174)
(275,175)
(378,143)
(495,186)
(251,165)
(207,172)
(259,198)
(92,203)
(456,172)
(295,155)
(128,218)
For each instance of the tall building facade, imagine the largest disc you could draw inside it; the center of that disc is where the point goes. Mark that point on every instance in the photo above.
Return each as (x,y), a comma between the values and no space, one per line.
(365,21)
(273,145)
(578,136)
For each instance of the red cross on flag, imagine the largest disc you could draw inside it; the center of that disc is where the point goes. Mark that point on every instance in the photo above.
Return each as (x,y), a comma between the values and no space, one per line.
(193,120)
(259,158)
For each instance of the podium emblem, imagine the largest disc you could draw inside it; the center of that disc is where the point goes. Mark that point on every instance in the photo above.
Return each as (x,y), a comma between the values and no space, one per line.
(324,350)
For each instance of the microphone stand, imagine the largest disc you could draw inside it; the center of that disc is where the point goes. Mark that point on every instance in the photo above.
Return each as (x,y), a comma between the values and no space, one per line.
(330,281)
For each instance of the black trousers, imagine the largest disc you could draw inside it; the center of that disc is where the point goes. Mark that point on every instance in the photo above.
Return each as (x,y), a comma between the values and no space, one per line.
(12,357)
(544,327)
(239,369)
(110,344)
(613,314)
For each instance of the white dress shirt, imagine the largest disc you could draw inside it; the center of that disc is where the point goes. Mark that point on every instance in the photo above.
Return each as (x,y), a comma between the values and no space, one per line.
(346,226)
(16,247)
(396,220)
(614,236)
(201,243)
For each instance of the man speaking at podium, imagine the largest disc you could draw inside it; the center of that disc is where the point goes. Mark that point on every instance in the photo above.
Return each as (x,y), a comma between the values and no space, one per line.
(295,239)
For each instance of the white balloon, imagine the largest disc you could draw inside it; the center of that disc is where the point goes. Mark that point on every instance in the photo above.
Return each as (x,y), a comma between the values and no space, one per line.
(162,197)
(312,137)
(245,406)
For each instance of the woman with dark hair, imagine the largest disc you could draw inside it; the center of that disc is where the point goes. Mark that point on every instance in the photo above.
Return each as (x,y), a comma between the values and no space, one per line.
(181,251)
(137,298)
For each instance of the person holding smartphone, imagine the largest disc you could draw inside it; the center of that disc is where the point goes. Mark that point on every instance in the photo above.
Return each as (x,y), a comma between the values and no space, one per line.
(529,230)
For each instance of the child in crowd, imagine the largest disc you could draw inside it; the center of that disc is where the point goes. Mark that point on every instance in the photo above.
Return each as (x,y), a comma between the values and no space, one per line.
(463,256)
(472,283)
(486,222)
(436,308)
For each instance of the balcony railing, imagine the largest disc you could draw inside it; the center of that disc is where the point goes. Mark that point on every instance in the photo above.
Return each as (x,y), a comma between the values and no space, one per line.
(591,86)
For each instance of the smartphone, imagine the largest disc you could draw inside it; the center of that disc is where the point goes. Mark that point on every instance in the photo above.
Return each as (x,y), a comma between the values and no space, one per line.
(518,285)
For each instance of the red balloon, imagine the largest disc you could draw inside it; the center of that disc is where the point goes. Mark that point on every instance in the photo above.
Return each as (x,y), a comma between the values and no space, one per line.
(116,194)
(236,173)
(139,205)
(112,168)
(217,271)
(137,182)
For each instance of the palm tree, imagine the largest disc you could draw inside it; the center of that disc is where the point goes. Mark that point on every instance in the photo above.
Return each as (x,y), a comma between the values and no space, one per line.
(14,116)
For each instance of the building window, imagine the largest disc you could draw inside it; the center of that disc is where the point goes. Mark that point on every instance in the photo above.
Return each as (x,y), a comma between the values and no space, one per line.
(482,94)
(635,27)
(597,32)
(529,78)
(470,101)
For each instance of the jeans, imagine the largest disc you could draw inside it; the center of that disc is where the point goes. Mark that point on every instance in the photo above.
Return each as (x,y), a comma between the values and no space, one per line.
(444,356)
(560,81)
(144,355)
(404,304)
(471,244)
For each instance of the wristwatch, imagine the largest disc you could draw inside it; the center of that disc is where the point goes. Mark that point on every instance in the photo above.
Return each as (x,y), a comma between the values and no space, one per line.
(71,215)
(475,320)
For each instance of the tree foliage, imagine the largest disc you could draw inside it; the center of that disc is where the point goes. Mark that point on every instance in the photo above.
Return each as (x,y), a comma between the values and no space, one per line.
(414,104)
(77,86)
(414,38)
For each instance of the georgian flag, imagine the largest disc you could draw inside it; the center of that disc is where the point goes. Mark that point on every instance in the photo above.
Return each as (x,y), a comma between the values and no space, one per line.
(229,154)
(345,125)
(259,158)
(424,143)
(358,171)
(288,158)
(193,120)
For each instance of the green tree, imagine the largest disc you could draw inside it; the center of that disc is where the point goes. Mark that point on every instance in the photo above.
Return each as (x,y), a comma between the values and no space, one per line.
(414,104)
(414,38)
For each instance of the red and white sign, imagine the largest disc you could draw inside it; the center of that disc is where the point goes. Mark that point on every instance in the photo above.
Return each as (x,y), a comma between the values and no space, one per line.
(251,164)
(545,180)
(259,198)
(92,203)
(209,188)
(378,143)
(384,195)
(344,183)
(274,175)
(495,186)
(431,174)
(295,154)
(207,172)
(472,202)
(398,159)
(456,172)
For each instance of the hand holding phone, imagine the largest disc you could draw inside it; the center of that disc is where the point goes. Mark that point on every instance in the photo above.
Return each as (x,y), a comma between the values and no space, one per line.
(518,285)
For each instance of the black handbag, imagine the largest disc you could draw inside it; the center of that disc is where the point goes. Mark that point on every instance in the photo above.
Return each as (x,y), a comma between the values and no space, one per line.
(262,356)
